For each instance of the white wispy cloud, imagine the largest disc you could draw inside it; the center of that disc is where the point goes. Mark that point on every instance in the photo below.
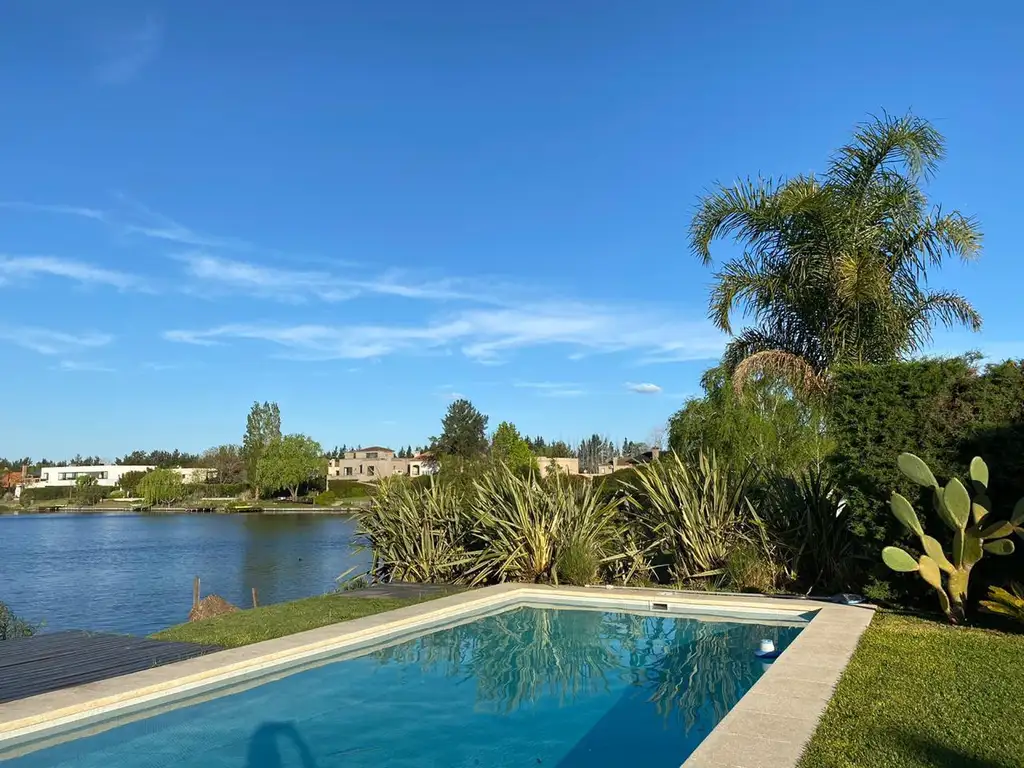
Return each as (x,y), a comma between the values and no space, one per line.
(482,334)
(130,217)
(27,266)
(216,273)
(125,53)
(66,210)
(553,388)
(50,342)
(643,388)
(79,365)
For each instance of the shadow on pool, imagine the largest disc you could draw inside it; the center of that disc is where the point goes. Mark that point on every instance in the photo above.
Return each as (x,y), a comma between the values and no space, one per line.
(264,746)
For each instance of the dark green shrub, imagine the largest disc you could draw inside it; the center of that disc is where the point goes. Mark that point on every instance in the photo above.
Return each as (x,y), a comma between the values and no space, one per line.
(70,494)
(944,410)
(576,564)
(325,499)
(11,626)
(748,568)
(349,489)
(215,490)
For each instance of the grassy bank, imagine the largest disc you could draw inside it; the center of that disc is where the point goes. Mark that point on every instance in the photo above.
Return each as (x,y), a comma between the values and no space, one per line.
(919,693)
(256,624)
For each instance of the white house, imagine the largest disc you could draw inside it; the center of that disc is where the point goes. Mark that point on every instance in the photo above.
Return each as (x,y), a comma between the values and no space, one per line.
(110,474)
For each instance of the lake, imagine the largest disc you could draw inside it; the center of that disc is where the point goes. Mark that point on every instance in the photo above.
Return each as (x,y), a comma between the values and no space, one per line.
(133,573)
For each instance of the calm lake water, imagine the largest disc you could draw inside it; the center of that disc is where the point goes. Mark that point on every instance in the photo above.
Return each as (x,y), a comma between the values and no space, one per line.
(133,573)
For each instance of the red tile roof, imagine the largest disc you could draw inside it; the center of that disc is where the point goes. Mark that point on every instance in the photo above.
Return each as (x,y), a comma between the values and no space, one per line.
(377,448)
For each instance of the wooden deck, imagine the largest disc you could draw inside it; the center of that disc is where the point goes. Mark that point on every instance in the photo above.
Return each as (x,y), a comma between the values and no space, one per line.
(49,662)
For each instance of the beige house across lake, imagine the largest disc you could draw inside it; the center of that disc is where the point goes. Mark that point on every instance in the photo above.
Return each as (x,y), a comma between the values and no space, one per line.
(369,464)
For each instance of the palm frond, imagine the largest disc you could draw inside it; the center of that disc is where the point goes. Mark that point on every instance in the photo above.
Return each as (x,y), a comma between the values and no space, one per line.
(776,363)
(745,209)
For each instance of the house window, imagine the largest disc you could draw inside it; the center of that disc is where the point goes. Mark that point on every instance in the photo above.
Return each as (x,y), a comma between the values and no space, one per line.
(371,454)
(46,476)
(415,469)
(348,471)
(370,470)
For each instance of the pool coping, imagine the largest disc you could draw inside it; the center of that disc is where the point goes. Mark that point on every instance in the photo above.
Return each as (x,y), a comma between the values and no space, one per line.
(768,728)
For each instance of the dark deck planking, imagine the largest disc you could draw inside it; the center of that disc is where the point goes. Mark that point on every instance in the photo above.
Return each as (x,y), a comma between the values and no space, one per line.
(49,662)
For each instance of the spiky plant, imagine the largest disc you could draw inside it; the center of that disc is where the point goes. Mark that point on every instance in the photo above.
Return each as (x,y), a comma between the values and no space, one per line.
(696,511)
(1006,602)
(522,523)
(417,532)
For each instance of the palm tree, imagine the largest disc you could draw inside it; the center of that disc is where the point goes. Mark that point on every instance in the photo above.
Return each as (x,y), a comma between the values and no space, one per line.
(835,268)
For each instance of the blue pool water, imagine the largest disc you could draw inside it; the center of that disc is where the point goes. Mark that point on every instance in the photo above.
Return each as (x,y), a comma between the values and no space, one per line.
(530,687)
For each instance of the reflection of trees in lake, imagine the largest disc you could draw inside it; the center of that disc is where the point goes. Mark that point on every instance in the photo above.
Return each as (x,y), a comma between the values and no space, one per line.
(516,658)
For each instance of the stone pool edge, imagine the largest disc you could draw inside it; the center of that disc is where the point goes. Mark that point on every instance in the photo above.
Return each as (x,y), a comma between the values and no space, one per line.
(39,716)
(773,722)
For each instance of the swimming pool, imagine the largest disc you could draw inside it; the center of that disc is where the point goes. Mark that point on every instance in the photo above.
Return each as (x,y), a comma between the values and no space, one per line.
(528,686)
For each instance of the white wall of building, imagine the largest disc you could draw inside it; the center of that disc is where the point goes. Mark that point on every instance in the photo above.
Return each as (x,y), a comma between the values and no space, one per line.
(108,474)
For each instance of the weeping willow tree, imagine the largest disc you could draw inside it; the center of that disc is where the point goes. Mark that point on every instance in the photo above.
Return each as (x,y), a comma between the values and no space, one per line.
(835,268)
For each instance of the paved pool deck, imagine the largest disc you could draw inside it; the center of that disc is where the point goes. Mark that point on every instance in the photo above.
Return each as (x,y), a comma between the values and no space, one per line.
(768,728)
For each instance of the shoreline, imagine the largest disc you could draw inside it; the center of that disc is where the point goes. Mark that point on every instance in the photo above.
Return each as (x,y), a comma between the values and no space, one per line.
(177,511)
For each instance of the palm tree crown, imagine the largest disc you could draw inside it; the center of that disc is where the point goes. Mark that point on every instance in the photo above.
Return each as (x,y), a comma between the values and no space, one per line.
(835,268)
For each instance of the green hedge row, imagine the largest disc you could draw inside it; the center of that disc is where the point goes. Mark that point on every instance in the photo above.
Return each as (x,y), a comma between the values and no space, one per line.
(944,410)
(58,493)
(349,489)
(214,490)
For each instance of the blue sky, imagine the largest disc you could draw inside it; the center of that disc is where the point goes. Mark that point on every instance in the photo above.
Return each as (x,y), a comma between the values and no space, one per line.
(361,209)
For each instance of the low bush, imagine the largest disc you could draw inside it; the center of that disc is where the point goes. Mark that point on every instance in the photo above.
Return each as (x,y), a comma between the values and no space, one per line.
(1006,602)
(11,626)
(349,489)
(325,499)
(214,490)
(47,493)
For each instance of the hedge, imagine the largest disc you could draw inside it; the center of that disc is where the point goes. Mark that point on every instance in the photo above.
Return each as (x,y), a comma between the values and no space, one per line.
(349,489)
(944,410)
(215,490)
(64,493)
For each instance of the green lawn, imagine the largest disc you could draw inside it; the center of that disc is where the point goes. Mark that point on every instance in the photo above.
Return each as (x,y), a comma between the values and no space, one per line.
(918,693)
(256,624)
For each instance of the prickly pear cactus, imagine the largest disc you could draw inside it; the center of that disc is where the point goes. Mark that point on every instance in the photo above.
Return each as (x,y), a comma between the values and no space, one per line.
(975,531)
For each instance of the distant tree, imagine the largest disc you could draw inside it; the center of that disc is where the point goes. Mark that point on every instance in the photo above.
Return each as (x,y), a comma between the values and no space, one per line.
(765,426)
(290,463)
(161,486)
(129,482)
(408,452)
(556,449)
(85,489)
(594,451)
(631,449)
(160,458)
(508,447)
(263,427)
(463,432)
(227,463)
